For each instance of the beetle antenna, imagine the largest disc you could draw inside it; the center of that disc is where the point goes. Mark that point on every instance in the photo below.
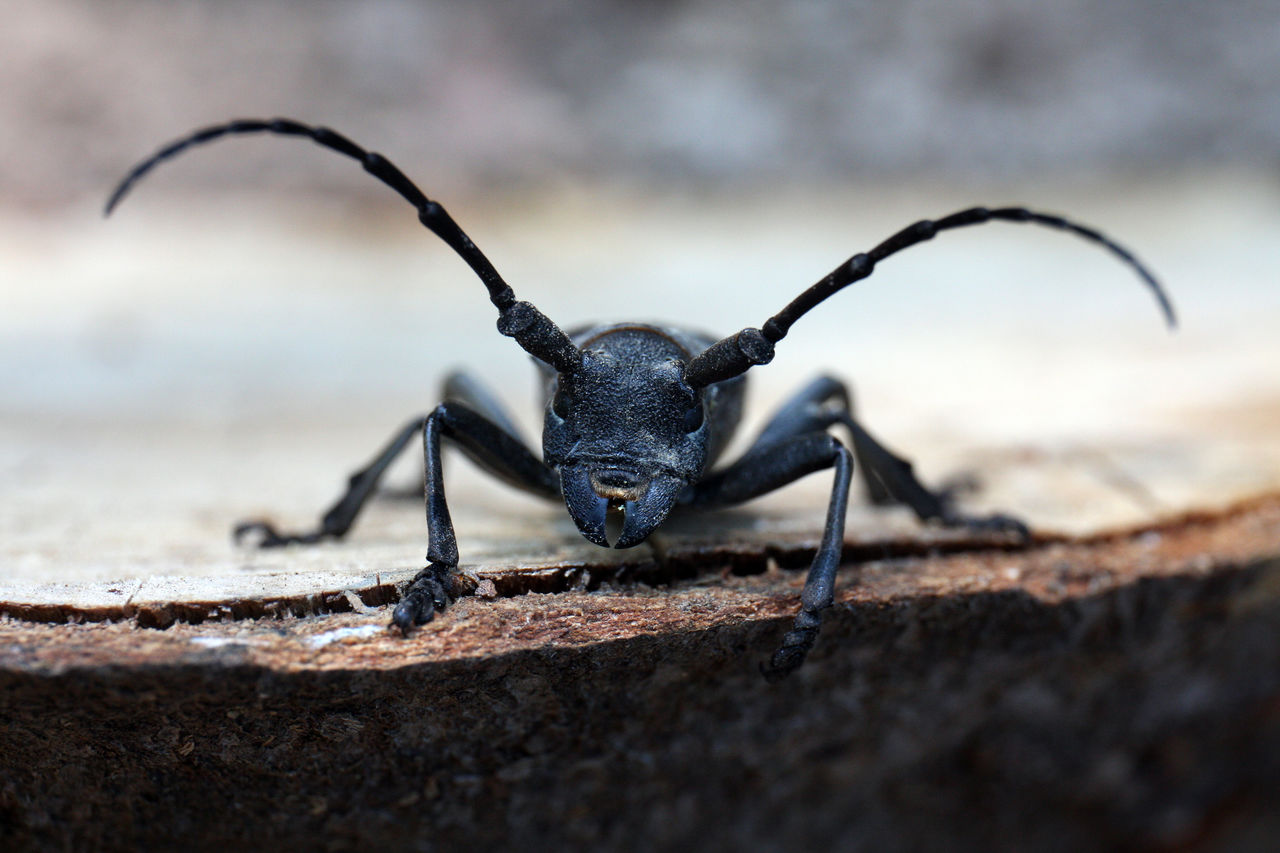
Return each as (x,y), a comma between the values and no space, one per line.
(532,329)
(738,353)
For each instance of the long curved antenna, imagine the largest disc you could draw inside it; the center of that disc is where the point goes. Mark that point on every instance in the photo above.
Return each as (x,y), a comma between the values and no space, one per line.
(533,330)
(740,352)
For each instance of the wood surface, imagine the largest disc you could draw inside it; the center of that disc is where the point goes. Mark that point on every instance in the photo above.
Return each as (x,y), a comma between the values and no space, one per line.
(1111,684)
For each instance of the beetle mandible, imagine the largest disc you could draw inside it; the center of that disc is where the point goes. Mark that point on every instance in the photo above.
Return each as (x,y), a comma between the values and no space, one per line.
(637,414)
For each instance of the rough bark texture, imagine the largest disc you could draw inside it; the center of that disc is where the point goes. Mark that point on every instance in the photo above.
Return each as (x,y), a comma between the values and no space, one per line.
(1112,692)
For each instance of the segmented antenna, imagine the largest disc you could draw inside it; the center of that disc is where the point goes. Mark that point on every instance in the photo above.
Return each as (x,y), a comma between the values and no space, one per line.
(533,330)
(740,352)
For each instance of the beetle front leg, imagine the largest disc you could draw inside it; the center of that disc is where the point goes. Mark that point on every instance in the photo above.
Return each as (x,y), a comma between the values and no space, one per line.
(494,449)
(819,586)
(427,592)
(755,474)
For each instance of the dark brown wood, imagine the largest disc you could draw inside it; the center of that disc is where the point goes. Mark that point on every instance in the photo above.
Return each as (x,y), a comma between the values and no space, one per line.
(1110,691)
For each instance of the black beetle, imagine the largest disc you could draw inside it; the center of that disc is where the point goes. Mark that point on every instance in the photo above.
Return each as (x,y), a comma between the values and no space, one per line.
(636,415)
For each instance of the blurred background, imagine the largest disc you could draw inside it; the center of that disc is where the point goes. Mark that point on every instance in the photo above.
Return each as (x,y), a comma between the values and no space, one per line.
(697,160)
(260,315)
(616,160)
(484,96)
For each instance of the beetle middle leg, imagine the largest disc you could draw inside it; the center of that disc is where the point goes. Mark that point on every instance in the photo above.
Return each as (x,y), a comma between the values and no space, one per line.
(458,387)
(461,387)
(337,520)
(486,443)
(889,478)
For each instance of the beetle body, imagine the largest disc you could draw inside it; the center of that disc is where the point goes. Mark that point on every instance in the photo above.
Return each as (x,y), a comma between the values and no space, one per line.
(638,415)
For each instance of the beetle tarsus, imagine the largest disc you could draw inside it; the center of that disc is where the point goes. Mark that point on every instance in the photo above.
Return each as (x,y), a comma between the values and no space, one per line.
(997,523)
(425,597)
(795,647)
(272,538)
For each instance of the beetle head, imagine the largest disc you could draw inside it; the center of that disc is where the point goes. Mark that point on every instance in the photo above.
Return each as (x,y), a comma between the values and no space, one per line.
(628,435)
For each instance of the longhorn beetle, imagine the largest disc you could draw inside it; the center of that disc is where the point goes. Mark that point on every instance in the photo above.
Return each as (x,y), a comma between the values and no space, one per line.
(636,414)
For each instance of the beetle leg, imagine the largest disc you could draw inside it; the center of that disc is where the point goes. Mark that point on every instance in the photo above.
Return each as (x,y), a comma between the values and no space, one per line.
(486,443)
(464,388)
(899,482)
(426,593)
(888,477)
(495,450)
(755,474)
(461,387)
(338,519)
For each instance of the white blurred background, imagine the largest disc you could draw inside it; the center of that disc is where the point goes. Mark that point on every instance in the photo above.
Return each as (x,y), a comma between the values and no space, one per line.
(700,161)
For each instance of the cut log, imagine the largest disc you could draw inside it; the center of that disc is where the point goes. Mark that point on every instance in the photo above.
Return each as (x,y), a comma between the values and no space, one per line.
(1113,684)
(1104,692)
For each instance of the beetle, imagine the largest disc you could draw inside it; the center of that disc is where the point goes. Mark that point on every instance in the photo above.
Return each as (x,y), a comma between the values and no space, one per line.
(637,415)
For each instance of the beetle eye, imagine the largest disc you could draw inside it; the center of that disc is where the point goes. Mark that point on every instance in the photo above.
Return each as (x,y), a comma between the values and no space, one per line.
(693,419)
(560,404)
